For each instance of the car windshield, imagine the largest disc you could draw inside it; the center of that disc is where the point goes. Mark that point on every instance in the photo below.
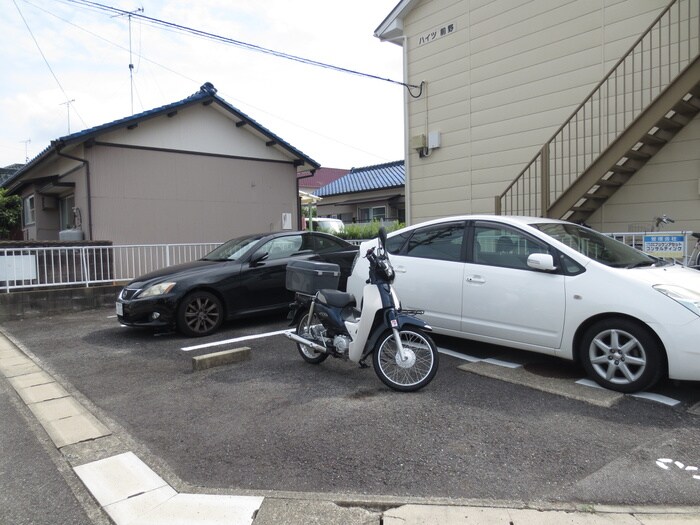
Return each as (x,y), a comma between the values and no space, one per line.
(233,249)
(597,246)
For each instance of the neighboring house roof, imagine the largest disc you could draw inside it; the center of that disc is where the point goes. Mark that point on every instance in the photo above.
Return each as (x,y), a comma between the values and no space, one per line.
(205,95)
(320,178)
(377,177)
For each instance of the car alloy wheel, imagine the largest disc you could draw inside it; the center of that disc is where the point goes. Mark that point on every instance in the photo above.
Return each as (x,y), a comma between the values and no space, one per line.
(621,355)
(199,314)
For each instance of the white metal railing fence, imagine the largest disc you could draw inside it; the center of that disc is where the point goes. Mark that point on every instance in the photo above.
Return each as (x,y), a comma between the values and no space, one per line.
(36,267)
(673,245)
(32,267)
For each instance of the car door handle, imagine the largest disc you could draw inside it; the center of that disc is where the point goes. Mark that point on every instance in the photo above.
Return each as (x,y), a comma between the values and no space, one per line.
(476,279)
(400,269)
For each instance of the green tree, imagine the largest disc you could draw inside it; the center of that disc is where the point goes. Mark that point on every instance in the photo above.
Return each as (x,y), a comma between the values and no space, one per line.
(10,212)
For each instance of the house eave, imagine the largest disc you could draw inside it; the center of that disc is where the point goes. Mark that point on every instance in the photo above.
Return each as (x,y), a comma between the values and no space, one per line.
(206,95)
(391,29)
(363,192)
(367,199)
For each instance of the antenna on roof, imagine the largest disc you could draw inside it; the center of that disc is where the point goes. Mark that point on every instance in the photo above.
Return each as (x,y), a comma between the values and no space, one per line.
(67,103)
(131,60)
(26,154)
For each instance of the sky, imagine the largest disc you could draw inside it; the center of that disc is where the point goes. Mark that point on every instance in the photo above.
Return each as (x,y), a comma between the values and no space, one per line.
(66,68)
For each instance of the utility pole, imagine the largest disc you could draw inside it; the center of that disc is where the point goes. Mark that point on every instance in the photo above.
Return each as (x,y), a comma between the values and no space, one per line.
(67,103)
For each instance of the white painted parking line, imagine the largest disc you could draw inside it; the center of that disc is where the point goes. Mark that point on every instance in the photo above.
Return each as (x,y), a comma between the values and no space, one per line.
(500,362)
(234,340)
(458,355)
(465,357)
(588,382)
(651,396)
(472,359)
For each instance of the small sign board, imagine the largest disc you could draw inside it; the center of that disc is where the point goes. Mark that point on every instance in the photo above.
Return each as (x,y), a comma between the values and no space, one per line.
(669,246)
(17,267)
(436,33)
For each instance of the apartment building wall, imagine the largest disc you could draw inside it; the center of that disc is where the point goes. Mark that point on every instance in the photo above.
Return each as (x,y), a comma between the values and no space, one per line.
(500,79)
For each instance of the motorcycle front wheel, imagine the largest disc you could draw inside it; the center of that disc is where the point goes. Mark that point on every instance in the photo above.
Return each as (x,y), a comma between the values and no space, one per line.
(413,373)
(307,353)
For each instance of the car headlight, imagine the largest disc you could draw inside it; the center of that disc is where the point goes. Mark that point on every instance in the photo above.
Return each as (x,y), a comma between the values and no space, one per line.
(157,289)
(688,298)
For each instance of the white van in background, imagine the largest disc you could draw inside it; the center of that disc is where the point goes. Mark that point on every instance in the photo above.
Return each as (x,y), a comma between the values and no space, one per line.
(326,224)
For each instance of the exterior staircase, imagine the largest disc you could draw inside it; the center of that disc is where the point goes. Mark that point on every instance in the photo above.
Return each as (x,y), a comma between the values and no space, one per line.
(650,94)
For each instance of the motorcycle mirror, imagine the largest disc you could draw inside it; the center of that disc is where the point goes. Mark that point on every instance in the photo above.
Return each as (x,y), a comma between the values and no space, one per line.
(382,236)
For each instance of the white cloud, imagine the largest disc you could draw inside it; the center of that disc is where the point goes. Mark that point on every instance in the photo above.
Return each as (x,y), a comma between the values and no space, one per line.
(337,119)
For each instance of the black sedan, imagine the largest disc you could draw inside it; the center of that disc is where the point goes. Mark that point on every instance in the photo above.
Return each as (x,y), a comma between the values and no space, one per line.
(242,277)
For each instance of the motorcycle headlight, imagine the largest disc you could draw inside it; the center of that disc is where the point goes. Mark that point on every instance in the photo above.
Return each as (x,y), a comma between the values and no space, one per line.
(688,298)
(157,289)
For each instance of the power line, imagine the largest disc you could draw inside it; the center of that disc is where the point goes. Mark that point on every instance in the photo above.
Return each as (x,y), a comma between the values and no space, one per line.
(190,79)
(239,43)
(47,63)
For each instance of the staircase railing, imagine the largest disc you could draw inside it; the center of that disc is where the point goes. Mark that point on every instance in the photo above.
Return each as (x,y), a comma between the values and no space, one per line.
(655,59)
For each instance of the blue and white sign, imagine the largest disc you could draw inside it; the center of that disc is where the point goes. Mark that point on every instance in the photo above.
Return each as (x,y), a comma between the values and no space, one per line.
(664,245)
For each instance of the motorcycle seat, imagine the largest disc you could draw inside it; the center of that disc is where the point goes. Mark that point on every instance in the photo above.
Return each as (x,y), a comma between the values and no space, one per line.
(335,298)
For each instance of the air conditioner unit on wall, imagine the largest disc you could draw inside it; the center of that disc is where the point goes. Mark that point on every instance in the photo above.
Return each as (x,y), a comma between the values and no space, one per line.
(49,203)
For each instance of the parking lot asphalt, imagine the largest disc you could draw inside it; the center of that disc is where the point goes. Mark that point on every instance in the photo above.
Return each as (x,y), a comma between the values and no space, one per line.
(274,424)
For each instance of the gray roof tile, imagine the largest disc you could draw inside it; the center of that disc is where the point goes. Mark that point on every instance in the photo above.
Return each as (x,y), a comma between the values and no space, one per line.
(377,177)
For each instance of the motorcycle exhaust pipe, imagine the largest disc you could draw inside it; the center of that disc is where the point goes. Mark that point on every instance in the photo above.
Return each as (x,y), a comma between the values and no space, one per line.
(306,342)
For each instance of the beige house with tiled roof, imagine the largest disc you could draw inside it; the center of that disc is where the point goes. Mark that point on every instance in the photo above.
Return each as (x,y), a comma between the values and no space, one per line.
(197,170)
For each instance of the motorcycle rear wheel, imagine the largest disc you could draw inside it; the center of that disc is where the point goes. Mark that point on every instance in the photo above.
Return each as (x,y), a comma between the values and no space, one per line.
(418,370)
(307,353)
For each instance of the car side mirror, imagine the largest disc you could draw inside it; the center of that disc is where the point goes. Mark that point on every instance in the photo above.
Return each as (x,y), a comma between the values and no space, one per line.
(541,261)
(258,258)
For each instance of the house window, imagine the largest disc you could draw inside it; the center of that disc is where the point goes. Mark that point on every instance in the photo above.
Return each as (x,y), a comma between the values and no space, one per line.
(65,208)
(377,213)
(29,212)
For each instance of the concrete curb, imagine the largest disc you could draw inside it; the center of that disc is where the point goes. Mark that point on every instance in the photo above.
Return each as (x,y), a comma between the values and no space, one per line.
(225,357)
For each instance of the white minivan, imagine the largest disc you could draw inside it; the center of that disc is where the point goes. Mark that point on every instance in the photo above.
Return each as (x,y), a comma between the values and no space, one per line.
(553,287)
(326,224)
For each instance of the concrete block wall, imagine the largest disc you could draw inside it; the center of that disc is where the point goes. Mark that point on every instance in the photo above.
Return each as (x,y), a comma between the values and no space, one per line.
(38,303)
